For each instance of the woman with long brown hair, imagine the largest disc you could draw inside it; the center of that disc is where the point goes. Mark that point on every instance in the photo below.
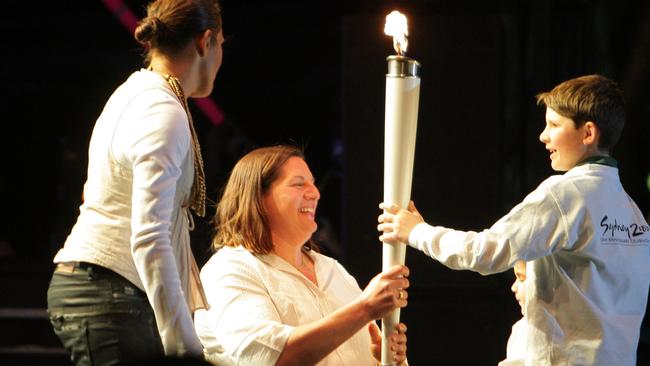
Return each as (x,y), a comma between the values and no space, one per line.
(273,298)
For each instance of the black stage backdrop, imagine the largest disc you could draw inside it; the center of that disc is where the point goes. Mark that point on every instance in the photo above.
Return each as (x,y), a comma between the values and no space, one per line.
(312,73)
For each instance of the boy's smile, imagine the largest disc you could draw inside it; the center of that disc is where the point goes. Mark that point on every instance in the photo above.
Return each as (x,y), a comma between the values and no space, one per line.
(567,144)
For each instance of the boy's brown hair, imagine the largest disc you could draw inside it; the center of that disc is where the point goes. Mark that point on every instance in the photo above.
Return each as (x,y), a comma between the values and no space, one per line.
(590,98)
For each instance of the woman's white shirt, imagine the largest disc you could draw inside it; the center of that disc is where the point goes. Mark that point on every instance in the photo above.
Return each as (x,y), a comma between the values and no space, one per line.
(257,300)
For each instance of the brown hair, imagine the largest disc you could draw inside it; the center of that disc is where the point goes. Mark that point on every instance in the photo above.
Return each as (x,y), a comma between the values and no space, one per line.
(590,98)
(171,24)
(240,218)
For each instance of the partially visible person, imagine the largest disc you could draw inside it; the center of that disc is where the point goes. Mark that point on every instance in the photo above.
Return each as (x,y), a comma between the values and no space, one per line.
(585,241)
(126,284)
(274,300)
(516,348)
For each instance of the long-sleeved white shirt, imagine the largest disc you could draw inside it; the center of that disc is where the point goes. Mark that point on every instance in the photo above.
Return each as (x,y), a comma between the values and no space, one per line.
(257,300)
(588,272)
(516,348)
(133,220)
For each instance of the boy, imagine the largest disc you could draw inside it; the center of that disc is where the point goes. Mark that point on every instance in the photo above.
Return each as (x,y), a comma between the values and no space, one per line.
(585,240)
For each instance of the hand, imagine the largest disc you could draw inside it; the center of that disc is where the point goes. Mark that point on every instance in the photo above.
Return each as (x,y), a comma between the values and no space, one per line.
(386,292)
(397,223)
(397,343)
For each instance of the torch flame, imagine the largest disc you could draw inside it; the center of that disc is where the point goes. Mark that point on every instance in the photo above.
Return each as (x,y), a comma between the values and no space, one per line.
(396,26)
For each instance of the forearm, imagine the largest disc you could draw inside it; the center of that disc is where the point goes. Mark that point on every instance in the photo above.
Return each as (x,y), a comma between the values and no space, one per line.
(485,252)
(160,277)
(154,258)
(308,344)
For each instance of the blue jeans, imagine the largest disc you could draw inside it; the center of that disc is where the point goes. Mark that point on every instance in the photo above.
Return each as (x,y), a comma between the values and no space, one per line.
(101,318)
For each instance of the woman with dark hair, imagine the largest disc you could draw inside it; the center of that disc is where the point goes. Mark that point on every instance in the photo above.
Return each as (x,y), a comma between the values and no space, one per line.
(273,298)
(126,284)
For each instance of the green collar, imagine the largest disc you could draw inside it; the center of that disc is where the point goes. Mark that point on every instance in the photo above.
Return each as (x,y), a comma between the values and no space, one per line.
(602,160)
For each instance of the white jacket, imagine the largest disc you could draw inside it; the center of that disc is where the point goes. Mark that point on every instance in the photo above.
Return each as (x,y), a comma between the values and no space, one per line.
(133,220)
(588,247)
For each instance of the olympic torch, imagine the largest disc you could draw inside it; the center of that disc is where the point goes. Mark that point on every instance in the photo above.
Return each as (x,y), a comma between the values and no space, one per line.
(401,117)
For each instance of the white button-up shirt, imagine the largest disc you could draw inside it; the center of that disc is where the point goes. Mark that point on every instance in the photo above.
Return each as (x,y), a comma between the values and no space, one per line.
(257,300)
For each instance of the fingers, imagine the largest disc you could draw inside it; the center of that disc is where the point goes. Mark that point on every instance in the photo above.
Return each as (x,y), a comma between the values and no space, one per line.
(399,283)
(398,343)
(388,235)
(386,292)
(397,270)
(401,299)
(401,294)
(391,208)
(396,224)
(385,217)
(387,238)
(401,328)
(394,209)
(385,223)
(386,228)
(375,333)
(411,207)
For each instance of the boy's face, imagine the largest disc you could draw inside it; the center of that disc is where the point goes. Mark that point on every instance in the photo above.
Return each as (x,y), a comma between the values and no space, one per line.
(519,286)
(565,142)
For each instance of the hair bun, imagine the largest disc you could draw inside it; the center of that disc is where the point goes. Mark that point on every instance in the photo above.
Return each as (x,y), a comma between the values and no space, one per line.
(148,29)
(157,24)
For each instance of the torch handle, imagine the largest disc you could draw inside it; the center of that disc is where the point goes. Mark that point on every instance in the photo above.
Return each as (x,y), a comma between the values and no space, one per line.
(392,254)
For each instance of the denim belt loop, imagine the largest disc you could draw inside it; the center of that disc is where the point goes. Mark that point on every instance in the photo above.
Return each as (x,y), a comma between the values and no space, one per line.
(92,273)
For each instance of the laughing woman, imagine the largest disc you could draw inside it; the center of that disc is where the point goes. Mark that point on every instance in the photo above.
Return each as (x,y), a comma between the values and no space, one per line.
(274,300)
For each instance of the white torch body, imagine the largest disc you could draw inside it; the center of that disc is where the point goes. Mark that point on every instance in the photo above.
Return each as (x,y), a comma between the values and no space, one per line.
(401,116)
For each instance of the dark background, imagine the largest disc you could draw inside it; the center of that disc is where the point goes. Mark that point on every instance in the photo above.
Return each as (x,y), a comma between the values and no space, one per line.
(313,73)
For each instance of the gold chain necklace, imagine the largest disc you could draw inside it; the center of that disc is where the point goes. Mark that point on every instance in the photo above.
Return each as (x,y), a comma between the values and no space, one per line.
(198,187)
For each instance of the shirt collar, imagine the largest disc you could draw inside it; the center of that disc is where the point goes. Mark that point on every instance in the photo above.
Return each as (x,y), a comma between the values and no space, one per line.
(273,260)
(602,160)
